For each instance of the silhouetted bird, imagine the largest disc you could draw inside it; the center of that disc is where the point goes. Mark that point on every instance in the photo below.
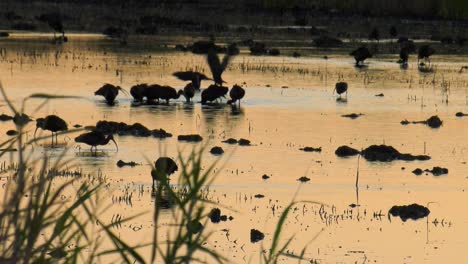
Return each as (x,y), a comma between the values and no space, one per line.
(236,94)
(94,139)
(360,55)
(404,54)
(212,93)
(54,20)
(152,92)
(52,123)
(194,77)
(167,93)
(341,87)
(425,52)
(163,167)
(109,92)
(138,92)
(188,92)
(217,68)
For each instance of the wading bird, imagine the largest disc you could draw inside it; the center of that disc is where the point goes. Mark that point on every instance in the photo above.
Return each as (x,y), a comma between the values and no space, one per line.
(167,93)
(163,167)
(188,92)
(138,92)
(425,52)
(360,55)
(94,139)
(212,93)
(404,54)
(216,66)
(236,94)
(52,123)
(194,77)
(109,92)
(341,87)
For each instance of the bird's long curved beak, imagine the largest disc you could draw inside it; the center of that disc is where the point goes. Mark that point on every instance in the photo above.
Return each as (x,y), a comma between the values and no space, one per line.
(115,145)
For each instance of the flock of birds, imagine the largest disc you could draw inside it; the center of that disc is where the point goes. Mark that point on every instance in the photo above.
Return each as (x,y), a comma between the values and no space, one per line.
(156,92)
(408,47)
(165,166)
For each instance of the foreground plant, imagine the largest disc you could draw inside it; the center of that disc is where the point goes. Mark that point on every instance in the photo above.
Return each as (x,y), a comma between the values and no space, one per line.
(37,225)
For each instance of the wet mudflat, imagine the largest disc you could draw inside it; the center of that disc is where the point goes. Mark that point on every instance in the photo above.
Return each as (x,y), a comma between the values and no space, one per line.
(350,226)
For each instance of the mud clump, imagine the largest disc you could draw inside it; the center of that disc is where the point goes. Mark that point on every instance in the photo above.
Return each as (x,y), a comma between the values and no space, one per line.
(405,212)
(231,141)
(433,122)
(4,117)
(12,132)
(244,142)
(436,171)
(256,235)
(345,151)
(458,114)
(380,95)
(190,138)
(216,150)
(215,215)
(259,196)
(160,133)
(353,115)
(303,179)
(311,149)
(122,163)
(265,177)
(123,129)
(385,153)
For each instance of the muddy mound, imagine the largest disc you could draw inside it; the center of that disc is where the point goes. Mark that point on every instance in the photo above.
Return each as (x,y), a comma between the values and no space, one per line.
(303,179)
(4,117)
(460,114)
(244,142)
(381,153)
(190,138)
(353,115)
(123,129)
(345,151)
(311,149)
(385,153)
(256,235)
(436,171)
(405,212)
(122,163)
(433,122)
(216,150)
(241,141)
(231,141)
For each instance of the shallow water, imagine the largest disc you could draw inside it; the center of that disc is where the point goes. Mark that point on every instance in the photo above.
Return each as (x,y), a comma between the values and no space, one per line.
(289,104)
